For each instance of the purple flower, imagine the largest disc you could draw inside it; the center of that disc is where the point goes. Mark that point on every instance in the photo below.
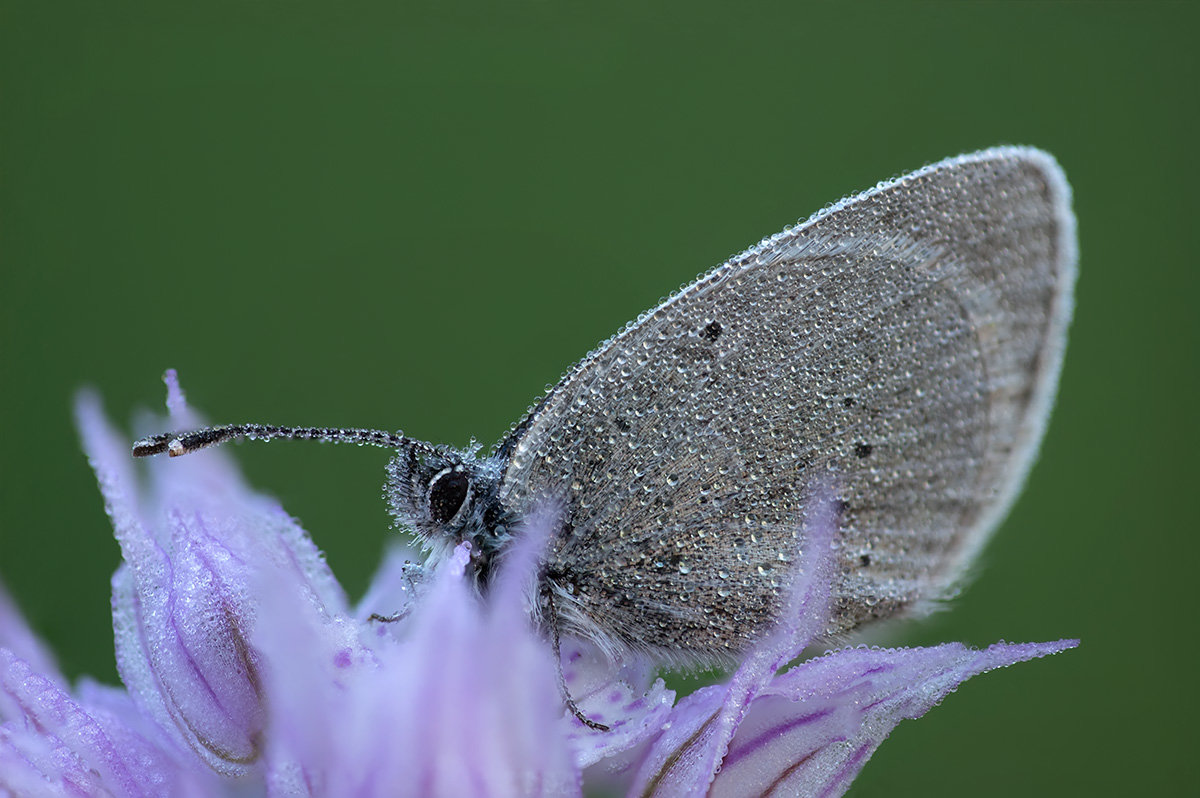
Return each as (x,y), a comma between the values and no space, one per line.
(247,672)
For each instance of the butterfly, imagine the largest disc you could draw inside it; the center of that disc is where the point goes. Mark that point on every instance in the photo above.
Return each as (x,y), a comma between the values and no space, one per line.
(906,341)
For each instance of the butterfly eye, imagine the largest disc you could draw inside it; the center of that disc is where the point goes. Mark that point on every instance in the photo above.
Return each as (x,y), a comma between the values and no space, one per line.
(447,492)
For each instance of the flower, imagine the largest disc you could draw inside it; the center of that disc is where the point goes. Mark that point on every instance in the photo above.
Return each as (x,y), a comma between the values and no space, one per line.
(246,671)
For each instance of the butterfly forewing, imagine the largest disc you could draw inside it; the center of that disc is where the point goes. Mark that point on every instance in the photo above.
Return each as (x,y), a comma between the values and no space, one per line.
(902,345)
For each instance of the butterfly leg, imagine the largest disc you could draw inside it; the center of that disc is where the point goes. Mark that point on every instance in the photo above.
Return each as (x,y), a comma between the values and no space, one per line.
(562,679)
(414,574)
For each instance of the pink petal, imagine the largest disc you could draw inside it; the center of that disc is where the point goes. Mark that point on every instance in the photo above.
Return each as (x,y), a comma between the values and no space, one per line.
(183,601)
(457,699)
(685,758)
(17,637)
(78,750)
(813,729)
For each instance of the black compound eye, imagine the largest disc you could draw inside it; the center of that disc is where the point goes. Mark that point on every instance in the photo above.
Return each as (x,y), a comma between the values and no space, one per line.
(447,493)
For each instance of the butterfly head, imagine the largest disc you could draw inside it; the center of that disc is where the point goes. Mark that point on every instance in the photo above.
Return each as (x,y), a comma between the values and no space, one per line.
(447,497)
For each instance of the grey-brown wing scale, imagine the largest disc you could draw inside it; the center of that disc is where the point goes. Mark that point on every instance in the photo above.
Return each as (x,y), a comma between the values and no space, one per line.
(904,343)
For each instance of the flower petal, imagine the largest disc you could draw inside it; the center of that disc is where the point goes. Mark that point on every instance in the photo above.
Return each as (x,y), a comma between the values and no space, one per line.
(813,729)
(458,700)
(310,663)
(17,637)
(183,601)
(77,750)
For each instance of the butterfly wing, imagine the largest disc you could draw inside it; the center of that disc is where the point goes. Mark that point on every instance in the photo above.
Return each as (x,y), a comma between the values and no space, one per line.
(906,342)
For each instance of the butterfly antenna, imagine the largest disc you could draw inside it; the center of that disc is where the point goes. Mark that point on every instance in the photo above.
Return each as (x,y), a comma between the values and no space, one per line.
(176,444)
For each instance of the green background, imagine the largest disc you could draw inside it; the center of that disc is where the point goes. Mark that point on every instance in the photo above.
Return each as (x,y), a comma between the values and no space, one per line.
(399,214)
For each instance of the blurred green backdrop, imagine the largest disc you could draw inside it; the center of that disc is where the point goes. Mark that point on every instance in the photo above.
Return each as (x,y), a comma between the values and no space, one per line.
(417,214)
